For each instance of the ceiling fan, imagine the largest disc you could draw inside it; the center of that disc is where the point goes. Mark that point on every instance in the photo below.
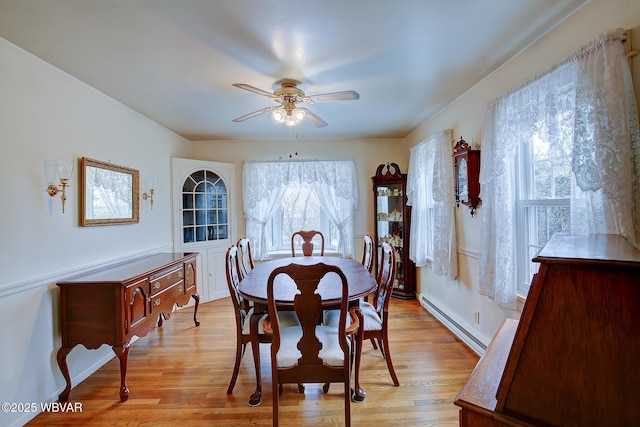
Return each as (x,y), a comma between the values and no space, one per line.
(287,96)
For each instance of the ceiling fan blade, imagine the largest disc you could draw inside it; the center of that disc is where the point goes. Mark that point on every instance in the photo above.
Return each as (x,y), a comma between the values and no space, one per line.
(254,90)
(256,113)
(346,95)
(314,119)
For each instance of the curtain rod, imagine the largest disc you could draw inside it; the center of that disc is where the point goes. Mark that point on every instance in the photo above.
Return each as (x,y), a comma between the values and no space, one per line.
(617,34)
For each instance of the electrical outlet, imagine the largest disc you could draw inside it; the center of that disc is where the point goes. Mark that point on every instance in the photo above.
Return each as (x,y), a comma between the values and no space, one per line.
(476,315)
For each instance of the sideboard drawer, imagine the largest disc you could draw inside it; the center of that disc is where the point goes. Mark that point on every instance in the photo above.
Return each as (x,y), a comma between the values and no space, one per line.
(165,299)
(164,279)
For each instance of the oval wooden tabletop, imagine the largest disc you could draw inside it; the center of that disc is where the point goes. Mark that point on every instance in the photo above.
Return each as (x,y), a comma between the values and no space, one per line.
(254,286)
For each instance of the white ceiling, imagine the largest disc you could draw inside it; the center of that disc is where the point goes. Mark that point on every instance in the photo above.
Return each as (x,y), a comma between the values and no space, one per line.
(175,60)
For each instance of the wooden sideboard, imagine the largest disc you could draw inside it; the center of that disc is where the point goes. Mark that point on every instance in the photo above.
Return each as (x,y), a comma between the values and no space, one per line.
(112,305)
(572,359)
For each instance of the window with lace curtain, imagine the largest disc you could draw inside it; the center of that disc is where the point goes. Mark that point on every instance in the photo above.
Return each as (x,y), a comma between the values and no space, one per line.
(282,197)
(430,192)
(560,154)
(300,209)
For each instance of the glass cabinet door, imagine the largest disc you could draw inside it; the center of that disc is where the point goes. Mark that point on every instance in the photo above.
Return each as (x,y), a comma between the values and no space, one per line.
(389,222)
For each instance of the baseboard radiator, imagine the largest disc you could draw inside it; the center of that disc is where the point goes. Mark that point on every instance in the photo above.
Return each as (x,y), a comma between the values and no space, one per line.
(458,330)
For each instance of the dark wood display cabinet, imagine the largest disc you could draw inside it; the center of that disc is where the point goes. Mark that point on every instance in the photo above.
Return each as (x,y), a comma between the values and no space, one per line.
(112,305)
(393,224)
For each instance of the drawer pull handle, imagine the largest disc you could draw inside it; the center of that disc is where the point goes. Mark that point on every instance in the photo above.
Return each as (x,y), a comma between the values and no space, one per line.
(156,302)
(156,285)
(180,274)
(180,288)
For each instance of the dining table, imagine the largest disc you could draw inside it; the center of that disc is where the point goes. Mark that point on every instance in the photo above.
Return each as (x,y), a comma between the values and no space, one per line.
(253,287)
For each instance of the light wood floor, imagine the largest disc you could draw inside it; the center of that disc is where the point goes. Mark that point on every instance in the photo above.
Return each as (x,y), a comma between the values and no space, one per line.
(178,375)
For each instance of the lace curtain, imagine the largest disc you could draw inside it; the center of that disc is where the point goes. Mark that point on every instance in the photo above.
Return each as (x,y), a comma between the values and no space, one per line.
(585,107)
(333,182)
(430,192)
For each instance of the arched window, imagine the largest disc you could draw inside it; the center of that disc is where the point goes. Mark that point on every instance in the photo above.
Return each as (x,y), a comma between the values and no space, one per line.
(204,208)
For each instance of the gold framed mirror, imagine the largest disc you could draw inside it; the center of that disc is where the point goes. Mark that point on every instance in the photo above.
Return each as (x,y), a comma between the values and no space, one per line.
(110,194)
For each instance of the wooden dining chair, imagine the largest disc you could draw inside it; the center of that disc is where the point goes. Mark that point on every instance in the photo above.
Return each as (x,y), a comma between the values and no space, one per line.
(368,253)
(243,313)
(245,261)
(375,325)
(310,352)
(307,244)
(376,315)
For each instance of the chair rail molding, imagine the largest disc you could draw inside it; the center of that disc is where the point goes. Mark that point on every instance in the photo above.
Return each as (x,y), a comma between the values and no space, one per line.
(50,279)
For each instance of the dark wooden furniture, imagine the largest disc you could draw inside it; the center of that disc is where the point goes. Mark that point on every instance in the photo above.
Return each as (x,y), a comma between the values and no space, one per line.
(307,244)
(245,260)
(376,315)
(254,288)
(112,305)
(243,312)
(368,253)
(311,352)
(375,326)
(393,224)
(467,175)
(572,359)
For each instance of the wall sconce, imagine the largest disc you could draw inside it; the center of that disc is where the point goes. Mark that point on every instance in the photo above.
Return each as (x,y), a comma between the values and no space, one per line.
(63,169)
(153,183)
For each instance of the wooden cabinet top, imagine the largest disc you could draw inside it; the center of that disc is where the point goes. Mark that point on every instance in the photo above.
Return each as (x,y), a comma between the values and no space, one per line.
(606,249)
(129,270)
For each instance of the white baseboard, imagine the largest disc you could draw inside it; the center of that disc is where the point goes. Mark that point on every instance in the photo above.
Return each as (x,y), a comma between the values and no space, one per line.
(458,330)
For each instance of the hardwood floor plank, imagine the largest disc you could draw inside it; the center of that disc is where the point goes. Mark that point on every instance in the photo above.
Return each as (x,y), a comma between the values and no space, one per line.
(178,375)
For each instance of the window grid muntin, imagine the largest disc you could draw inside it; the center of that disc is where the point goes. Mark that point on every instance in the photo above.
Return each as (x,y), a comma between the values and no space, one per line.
(204,208)
(533,213)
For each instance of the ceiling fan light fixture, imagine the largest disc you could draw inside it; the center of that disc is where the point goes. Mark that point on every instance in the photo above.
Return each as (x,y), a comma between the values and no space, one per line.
(279,115)
(290,120)
(299,114)
(287,96)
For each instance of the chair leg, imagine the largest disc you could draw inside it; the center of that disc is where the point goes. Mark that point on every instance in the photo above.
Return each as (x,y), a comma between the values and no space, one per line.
(236,368)
(373,343)
(347,403)
(387,356)
(274,391)
(325,388)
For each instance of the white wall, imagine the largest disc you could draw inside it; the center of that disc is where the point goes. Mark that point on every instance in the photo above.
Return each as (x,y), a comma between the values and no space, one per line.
(46,114)
(367,153)
(459,299)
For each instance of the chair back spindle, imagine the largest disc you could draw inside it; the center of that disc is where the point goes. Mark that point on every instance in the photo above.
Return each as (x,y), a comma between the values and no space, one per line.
(245,260)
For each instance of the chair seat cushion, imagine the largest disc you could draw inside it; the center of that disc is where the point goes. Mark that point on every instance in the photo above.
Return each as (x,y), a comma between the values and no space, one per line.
(331,353)
(287,318)
(372,321)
